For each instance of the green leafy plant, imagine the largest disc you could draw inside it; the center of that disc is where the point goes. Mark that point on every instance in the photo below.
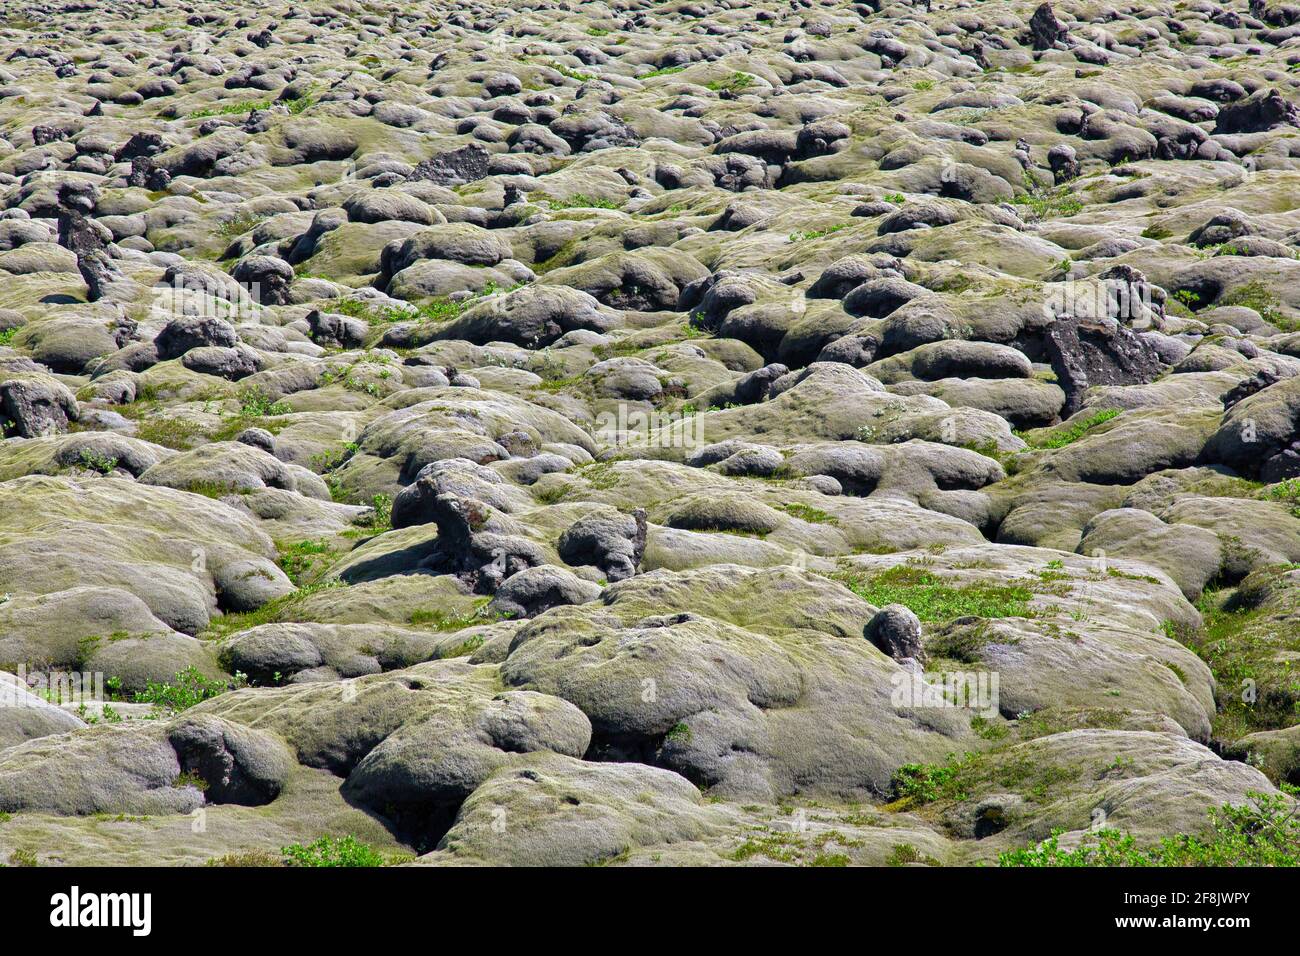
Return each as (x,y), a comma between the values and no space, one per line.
(933,599)
(1059,439)
(381,517)
(187,688)
(255,403)
(232,109)
(1046,203)
(663,71)
(563,70)
(104,464)
(808,513)
(333,851)
(734,83)
(1264,832)
(300,103)
(581,201)
(299,560)
(190,779)
(817,233)
(1288,492)
(238,225)
(905,854)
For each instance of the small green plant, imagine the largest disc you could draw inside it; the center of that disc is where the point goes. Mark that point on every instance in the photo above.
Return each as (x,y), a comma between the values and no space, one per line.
(440,620)
(988,729)
(923,85)
(1264,832)
(581,201)
(925,783)
(817,233)
(104,464)
(563,70)
(808,513)
(680,732)
(1048,203)
(933,599)
(904,854)
(187,688)
(1288,492)
(896,198)
(1254,295)
(190,779)
(176,433)
(249,858)
(734,83)
(232,109)
(238,225)
(355,308)
(332,851)
(255,403)
(300,103)
(299,560)
(381,517)
(1076,431)
(663,71)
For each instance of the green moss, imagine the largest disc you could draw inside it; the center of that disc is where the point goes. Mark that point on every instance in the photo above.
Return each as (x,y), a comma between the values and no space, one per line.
(987,729)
